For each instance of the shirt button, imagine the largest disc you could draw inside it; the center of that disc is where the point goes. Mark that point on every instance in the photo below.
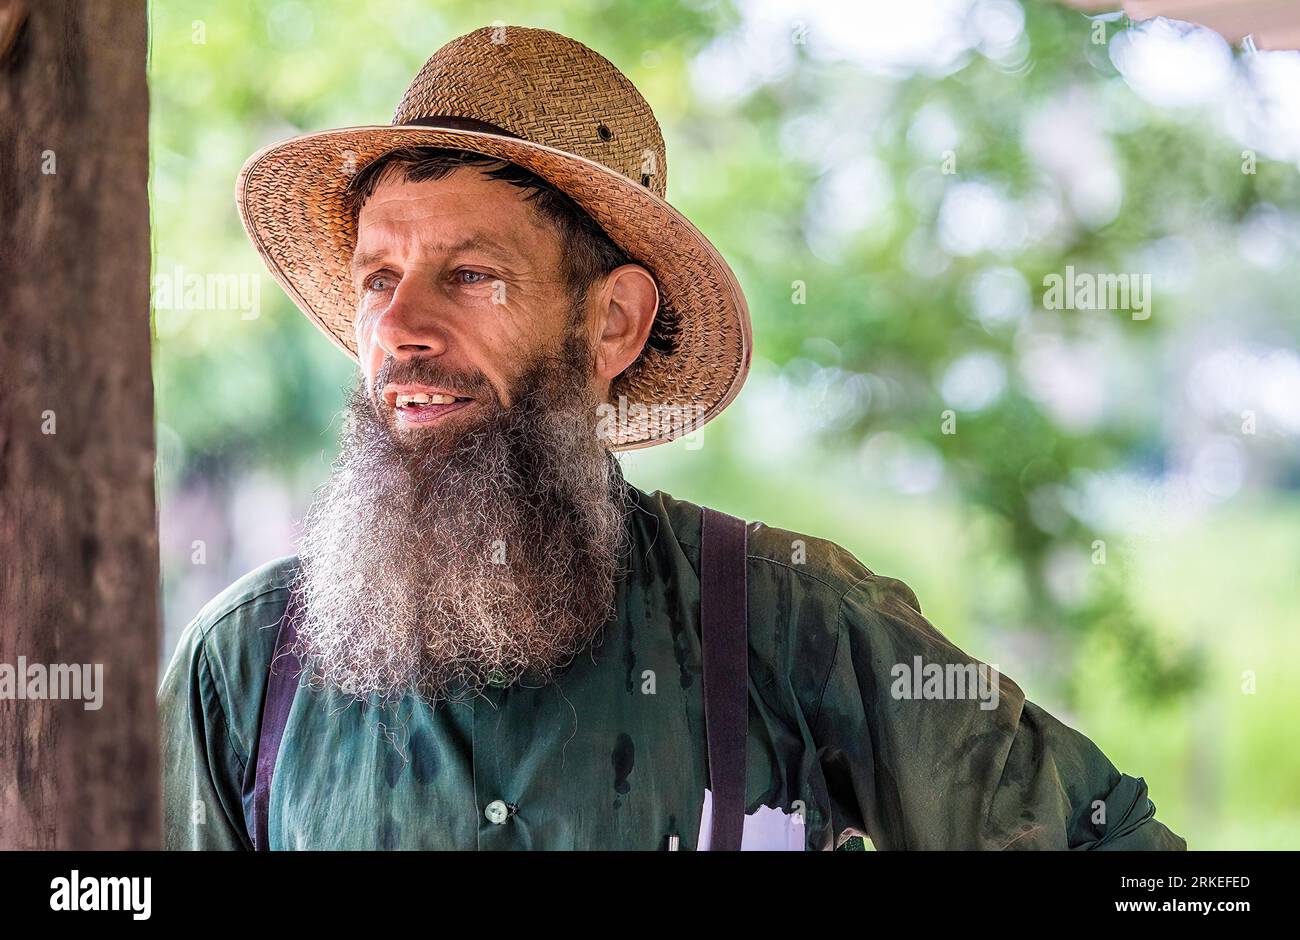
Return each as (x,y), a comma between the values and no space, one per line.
(496,812)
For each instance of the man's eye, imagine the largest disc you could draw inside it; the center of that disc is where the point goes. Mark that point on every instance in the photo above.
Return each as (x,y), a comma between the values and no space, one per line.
(465,276)
(381,282)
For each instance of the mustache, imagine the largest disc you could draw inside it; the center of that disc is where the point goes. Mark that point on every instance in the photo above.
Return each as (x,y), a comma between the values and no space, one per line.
(430,371)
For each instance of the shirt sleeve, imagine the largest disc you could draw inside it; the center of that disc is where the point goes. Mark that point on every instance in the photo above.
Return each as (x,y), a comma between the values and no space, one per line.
(915,761)
(202,767)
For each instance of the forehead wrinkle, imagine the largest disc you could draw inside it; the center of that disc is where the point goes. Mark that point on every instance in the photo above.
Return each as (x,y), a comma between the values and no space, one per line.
(436,247)
(458,200)
(477,242)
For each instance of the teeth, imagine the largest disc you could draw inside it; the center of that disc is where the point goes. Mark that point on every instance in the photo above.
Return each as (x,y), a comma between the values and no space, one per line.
(423,398)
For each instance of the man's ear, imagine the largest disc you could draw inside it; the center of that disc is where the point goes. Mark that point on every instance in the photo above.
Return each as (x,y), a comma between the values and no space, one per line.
(626,310)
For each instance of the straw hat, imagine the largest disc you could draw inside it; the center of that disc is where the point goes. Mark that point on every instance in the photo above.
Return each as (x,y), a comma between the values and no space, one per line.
(560,110)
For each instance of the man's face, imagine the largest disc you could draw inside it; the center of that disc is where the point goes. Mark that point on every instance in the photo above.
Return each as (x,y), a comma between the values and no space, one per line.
(471,530)
(461,288)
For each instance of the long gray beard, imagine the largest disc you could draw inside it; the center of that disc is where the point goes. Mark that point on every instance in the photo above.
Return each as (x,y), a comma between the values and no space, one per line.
(435,568)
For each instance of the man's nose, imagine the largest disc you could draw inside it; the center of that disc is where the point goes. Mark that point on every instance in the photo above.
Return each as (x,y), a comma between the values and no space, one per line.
(414,324)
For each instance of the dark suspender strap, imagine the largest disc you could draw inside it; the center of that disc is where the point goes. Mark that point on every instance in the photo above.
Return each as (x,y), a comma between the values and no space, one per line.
(281,686)
(724,623)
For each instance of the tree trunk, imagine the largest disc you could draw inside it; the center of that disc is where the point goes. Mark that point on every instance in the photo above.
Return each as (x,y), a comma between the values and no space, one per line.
(78,548)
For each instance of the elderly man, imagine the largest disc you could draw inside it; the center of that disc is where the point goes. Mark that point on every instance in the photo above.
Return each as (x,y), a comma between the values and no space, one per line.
(489,640)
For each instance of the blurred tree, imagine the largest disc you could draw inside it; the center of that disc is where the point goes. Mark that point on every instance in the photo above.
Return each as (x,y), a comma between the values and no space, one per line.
(79,582)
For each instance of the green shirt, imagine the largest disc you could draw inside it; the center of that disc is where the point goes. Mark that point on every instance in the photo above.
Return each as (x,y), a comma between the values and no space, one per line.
(612,755)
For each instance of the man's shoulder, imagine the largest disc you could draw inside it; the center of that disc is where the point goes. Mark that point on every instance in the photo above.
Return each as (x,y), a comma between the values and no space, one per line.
(263,591)
(801,599)
(235,632)
(819,563)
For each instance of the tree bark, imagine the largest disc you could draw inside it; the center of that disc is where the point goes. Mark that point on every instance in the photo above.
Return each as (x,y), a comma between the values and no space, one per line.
(78,546)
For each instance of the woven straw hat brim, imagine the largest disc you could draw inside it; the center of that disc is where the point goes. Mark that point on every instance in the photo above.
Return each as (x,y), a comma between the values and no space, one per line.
(290,202)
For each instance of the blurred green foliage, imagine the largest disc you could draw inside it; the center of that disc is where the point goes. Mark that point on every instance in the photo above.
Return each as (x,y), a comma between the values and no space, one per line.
(822,176)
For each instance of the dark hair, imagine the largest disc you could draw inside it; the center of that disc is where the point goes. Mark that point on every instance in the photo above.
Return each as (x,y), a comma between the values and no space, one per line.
(588,252)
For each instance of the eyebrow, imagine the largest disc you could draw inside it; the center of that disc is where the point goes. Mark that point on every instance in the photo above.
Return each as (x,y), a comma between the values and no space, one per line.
(478,242)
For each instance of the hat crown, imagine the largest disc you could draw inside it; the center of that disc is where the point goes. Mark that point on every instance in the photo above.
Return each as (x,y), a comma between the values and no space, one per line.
(545,88)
